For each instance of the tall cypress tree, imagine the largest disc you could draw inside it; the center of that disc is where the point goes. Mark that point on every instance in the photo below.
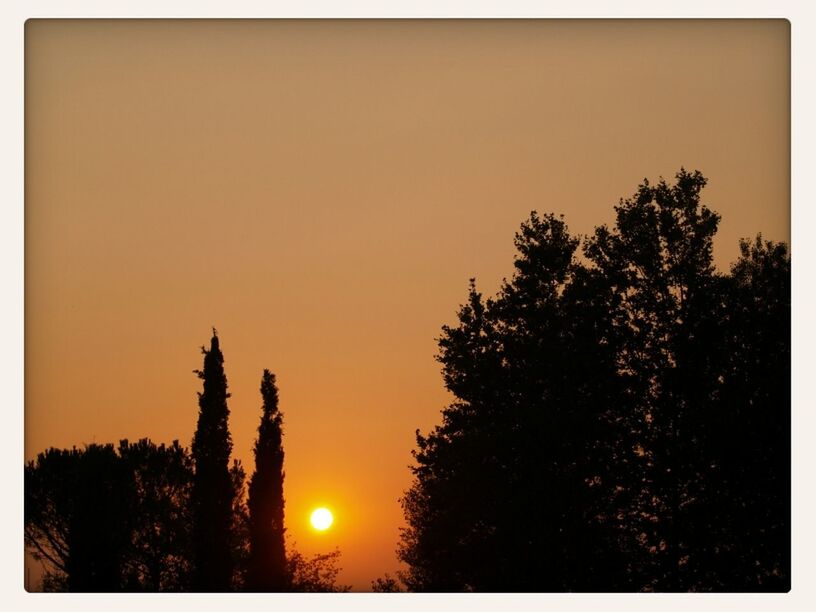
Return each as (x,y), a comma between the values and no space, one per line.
(212,486)
(267,562)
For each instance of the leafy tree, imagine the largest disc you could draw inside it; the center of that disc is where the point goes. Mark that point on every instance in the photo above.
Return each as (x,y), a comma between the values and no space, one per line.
(267,565)
(317,574)
(748,444)
(710,429)
(77,516)
(158,557)
(213,491)
(48,507)
(386,584)
(659,257)
(105,519)
(502,498)
(598,403)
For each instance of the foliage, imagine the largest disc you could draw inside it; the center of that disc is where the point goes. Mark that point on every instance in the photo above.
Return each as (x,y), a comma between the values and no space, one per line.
(239,528)
(504,477)
(108,520)
(130,518)
(142,531)
(212,495)
(317,574)
(267,568)
(77,515)
(386,584)
(594,401)
(160,541)
(749,441)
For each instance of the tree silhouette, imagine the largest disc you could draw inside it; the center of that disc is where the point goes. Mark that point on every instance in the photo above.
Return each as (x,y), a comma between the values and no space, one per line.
(239,527)
(212,495)
(159,518)
(386,584)
(77,511)
(158,558)
(659,255)
(620,422)
(748,443)
(317,574)
(590,445)
(267,563)
(520,439)
(106,520)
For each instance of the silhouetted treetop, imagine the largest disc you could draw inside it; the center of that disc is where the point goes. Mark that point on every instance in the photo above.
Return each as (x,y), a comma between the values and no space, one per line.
(268,570)
(212,438)
(213,489)
(619,423)
(105,519)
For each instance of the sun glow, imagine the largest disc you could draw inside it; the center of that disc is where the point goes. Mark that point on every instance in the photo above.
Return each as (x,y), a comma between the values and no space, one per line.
(321,519)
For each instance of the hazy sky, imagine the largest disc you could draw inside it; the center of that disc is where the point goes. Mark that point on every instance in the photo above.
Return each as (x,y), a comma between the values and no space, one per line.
(322,191)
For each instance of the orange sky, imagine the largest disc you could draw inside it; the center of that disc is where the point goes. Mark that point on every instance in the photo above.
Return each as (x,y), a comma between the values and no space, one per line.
(321,192)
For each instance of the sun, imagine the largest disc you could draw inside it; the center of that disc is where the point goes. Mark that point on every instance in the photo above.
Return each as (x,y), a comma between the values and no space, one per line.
(321,519)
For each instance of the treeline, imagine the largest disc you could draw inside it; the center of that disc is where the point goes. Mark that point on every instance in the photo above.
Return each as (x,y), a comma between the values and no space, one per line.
(621,415)
(142,517)
(620,422)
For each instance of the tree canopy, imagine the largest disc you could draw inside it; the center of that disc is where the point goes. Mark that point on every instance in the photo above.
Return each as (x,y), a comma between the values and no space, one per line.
(620,418)
(108,519)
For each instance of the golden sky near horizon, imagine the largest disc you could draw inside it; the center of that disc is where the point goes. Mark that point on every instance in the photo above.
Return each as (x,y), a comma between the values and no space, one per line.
(321,191)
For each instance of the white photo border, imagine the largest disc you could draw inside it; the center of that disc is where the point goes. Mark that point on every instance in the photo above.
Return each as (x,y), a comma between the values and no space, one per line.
(802,16)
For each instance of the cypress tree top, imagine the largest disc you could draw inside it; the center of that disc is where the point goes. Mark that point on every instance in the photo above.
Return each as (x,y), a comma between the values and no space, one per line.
(212,440)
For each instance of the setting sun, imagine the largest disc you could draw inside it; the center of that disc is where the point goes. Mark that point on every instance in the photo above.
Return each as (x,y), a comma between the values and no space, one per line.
(321,519)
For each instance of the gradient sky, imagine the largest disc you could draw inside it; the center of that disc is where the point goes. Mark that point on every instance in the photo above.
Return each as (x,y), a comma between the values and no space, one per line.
(321,191)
